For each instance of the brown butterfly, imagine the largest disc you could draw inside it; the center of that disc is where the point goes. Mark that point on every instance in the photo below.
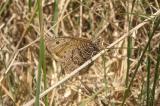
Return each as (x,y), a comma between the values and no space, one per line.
(71,52)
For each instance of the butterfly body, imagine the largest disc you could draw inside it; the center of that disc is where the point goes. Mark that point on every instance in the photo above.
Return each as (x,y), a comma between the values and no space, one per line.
(72,52)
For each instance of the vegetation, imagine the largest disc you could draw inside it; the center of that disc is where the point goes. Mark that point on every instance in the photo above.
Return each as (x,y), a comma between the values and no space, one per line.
(126,72)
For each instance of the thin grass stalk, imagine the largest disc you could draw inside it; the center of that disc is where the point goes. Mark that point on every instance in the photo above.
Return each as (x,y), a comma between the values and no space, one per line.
(141,95)
(148,76)
(1,102)
(45,74)
(40,61)
(41,54)
(129,44)
(105,73)
(41,64)
(29,5)
(129,51)
(55,14)
(10,84)
(156,77)
(140,60)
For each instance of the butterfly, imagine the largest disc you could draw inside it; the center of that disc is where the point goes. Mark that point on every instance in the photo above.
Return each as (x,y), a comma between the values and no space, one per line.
(71,52)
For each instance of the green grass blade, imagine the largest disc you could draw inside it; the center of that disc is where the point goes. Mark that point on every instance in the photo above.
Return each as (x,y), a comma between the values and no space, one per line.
(29,5)
(41,64)
(129,41)
(55,9)
(156,77)
(148,76)
(41,58)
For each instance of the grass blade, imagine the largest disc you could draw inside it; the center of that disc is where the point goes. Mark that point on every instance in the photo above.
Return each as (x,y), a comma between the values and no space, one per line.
(156,76)
(140,60)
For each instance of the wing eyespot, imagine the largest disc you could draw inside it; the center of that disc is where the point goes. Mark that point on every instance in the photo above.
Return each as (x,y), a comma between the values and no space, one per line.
(57,42)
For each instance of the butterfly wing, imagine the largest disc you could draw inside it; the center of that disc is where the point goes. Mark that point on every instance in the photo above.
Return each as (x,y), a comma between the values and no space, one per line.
(72,52)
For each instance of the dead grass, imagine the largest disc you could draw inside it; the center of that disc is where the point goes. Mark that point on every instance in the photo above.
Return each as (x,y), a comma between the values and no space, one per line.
(105,82)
